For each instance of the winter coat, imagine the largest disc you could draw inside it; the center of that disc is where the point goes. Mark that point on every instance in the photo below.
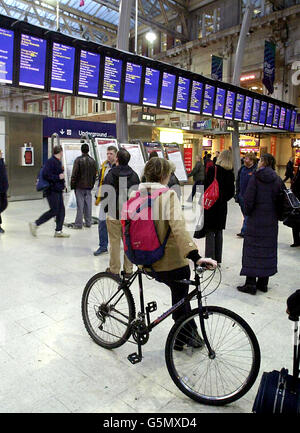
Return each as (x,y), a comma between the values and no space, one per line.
(175,184)
(52,169)
(84,172)
(296,184)
(215,217)
(3,178)
(289,172)
(243,177)
(198,172)
(261,206)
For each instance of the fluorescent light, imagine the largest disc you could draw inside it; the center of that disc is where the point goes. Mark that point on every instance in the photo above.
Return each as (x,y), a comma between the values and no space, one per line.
(151,36)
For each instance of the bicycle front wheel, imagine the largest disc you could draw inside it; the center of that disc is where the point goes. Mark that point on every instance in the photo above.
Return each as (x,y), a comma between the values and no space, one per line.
(219,379)
(107,310)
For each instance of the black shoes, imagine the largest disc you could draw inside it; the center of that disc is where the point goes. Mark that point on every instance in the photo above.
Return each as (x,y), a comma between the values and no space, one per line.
(247,288)
(296,244)
(240,235)
(1,230)
(193,340)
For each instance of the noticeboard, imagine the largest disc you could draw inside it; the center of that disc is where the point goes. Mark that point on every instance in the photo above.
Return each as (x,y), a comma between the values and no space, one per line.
(151,147)
(71,150)
(102,144)
(174,154)
(137,161)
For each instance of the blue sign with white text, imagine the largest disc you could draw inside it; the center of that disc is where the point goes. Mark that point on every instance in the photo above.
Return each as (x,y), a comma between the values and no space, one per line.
(69,128)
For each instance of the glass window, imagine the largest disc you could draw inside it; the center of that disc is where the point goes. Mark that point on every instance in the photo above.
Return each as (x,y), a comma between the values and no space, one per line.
(163,42)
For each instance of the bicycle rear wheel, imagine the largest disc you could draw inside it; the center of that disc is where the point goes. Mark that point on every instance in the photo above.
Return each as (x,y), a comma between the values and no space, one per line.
(224,378)
(107,310)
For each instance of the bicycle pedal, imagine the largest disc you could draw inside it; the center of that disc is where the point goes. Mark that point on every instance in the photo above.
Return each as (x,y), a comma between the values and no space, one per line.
(134,358)
(151,306)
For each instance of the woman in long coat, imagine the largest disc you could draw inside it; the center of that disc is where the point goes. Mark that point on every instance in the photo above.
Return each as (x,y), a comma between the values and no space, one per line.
(262,198)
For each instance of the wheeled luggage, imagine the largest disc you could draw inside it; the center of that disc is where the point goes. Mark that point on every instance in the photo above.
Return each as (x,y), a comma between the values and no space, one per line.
(279,391)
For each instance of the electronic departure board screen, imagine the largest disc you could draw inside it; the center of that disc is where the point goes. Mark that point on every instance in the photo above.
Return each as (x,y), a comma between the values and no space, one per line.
(62,72)
(6,56)
(282,118)
(183,89)
(220,102)
(239,107)
(248,109)
(270,113)
(293,120)
(229,107)
(89,69)
(276,116)
(208,101)
(196,97)
(287,119)
(167,90)
(263,113)
(133,79)
(112,78)
(255,111)
(32,61)
(151,87)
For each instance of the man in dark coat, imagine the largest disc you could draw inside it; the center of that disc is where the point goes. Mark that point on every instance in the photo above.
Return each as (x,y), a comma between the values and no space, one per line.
(296,190)
(3,189)
(289,172)
(260,241)
(198,174)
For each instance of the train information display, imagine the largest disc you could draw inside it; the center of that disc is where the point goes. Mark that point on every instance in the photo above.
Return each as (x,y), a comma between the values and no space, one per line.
(287,119)
(151,87)
(282,118)
(196,97)
(255,111)
(263,113)
(230,100)
(276,116)
(89,69)
(133,80)
(183,89)
(62,72)
(208,101)
(270,113)
(167,91)
(32,61)
(248,109)
(293,120)
(112,78)
(239,107)
(220,102)
(6,56)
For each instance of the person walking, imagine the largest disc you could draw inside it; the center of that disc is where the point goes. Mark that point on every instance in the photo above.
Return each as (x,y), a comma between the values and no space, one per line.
(3,189)
(118,183)
(215,217)
(174,183)
(53,173)
(295,187)
(82,181)
(261,202)
(198,174)
(289,172)
(216,157)
(111,154)
(244,174)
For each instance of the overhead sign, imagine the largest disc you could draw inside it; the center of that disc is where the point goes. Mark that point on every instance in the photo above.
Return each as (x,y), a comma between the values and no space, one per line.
(69,128)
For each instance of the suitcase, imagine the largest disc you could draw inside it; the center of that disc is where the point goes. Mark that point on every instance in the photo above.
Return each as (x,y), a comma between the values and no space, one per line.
(279,391)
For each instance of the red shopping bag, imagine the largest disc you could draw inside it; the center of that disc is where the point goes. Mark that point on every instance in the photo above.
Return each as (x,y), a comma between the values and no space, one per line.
(211,195)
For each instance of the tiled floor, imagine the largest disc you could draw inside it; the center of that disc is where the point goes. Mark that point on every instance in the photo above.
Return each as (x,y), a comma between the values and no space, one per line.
(48,363)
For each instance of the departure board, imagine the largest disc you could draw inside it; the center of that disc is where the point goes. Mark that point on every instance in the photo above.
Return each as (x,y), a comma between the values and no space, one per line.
(208,101)
(229,107)
(32,61)
(6,56)
(276,116)
(112,78)
(62,72)
(196,97)
(255,111)
(133,79)
(151,87)
(248,109)
(239,107)
(270,113)
(89,69)
(263,113)
(167,90)
(282,118)
(183,89)
(293,120)
(220,102)
(287,119)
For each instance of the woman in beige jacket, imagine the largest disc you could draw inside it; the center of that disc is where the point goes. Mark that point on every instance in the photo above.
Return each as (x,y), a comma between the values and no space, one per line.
(167,213)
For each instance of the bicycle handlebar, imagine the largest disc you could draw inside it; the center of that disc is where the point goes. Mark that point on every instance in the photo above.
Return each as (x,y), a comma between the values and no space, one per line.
(200,269)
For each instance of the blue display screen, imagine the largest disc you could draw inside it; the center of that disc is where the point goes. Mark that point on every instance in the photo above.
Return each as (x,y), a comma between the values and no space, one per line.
(239,107)
(263,113)
(62,73)
(208,102)
(112,78)
(248,109)
(6,56)
(196,97)
(89,73)
(282,118)
(32,61)
(133,80)
(255,111)
(276,116)
(220,102)
(293,120)
(287,119)
(183,89)
(167,90)
(151,87)
(270,115)
(230,100)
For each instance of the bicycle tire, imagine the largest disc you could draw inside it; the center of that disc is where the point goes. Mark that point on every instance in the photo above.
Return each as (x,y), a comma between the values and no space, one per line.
(198,358)
(97,324)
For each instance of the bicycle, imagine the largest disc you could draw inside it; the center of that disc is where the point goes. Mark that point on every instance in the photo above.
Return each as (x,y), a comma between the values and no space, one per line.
(211,353)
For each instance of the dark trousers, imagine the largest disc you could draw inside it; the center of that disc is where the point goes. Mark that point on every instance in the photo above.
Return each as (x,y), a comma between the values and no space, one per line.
(57,209)
(287,177)
(260,282)
(214,245)
(3,204)
(296,234)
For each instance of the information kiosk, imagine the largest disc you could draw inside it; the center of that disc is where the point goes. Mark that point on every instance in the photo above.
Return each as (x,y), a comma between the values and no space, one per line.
(173,153)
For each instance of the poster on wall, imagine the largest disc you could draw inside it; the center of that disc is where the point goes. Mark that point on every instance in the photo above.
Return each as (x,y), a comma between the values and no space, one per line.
(174,155)
(188,159)
(150,147)
(137,161)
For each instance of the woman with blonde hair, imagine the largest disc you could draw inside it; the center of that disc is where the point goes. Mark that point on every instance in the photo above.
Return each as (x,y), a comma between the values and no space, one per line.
(215,217)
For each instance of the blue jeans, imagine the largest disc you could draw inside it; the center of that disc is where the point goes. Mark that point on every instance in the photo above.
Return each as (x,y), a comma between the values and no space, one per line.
(103,236)
(241,203)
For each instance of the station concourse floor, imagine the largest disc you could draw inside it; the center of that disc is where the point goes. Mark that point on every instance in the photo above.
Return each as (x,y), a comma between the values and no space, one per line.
(48,363)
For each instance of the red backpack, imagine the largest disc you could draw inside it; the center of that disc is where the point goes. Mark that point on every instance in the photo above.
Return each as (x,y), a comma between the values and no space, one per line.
(211,194)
